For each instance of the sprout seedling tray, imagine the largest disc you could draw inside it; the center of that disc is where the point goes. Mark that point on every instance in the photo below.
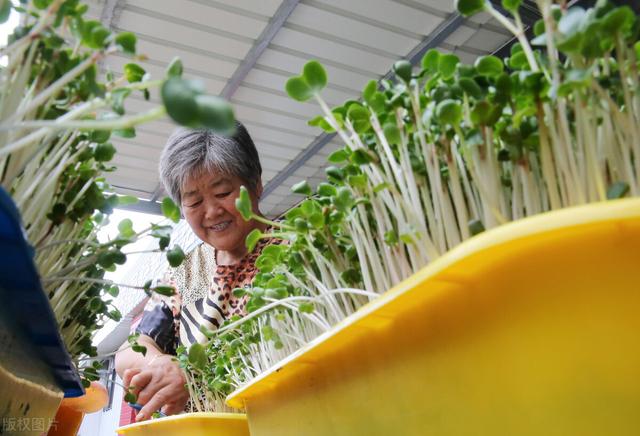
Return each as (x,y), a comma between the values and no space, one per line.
(191,424)
(531,328)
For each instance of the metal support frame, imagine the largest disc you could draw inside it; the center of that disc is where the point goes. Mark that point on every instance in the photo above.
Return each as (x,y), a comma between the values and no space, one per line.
(111,12)
(441,33)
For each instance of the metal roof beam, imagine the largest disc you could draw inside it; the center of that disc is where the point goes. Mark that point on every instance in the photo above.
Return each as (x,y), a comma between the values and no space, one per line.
(111,12)
(275,24)
(439,35)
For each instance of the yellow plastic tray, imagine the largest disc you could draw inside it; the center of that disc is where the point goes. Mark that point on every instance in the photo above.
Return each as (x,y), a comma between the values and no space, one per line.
(529,329)
(191,424)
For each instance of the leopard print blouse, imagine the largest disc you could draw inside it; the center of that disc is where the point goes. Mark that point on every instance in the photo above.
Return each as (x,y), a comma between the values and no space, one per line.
(204,297)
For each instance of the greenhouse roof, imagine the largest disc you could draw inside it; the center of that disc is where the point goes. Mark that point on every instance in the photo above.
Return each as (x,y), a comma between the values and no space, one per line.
(245,50)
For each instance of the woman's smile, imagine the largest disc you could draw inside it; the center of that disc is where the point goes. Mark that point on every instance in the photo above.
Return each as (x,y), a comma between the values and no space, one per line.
(220,227)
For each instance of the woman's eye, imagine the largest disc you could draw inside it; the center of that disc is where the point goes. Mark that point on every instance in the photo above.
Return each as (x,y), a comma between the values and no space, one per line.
(223,194)
(194,204)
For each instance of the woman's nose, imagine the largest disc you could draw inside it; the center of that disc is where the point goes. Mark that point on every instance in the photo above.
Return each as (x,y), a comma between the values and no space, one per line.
(212,209)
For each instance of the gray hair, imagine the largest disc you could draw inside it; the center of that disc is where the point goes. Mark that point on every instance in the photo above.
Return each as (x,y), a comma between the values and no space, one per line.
(191,151)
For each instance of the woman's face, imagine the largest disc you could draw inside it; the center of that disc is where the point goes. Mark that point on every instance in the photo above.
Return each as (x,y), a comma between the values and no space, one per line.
(208,204)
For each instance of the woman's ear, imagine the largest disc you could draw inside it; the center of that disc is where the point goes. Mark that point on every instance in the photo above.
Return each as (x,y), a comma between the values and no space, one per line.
(258,190)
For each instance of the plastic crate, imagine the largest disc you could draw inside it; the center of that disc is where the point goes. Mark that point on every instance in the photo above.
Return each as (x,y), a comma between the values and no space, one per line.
(529,329)
(191,424)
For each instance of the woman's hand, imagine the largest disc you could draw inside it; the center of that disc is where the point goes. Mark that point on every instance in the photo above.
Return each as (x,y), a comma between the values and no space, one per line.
(159,386)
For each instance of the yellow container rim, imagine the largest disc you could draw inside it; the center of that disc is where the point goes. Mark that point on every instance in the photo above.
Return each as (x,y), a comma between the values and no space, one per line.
(555,221)
(215,418)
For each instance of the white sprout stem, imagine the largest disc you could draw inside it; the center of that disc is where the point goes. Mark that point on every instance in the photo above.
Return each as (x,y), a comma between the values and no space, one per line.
(547,164)
(118,123)
(517,31)
(37,174)
(41,133)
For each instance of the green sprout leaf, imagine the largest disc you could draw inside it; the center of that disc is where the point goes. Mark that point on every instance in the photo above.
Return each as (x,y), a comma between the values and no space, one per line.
(362,156)
(139,349)
(125,227)
(471,87)
(215,113)
(302,188)
(134,72)
(100,136)
(306,307)
(338,156)
(113,290)
(359,117)
(298,89)
(118,96)
(41,4)
(198,356)
(392,133)
(175,256)
(476,227)
(430,60)
(178,97)
(115,315)
(620,20)
(170,210)
(104,152)
(617,190)
(301,225)
(175,68)
(469,7)
(511,5)
(98,37)
(130,397)
(239,292)
(252,239)
(391,238)
(449,112)
(126,41)
(243,204)
(369,90)
(320,121)
(128,132)
(569,28)
(165,290)
(5,10)
(403,70)
(315,75)
(489,66)
(447,65)
(519,61)
(312,81)
(326,190)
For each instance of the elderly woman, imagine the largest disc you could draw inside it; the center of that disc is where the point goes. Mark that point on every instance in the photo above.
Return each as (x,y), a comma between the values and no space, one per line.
(203,173)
